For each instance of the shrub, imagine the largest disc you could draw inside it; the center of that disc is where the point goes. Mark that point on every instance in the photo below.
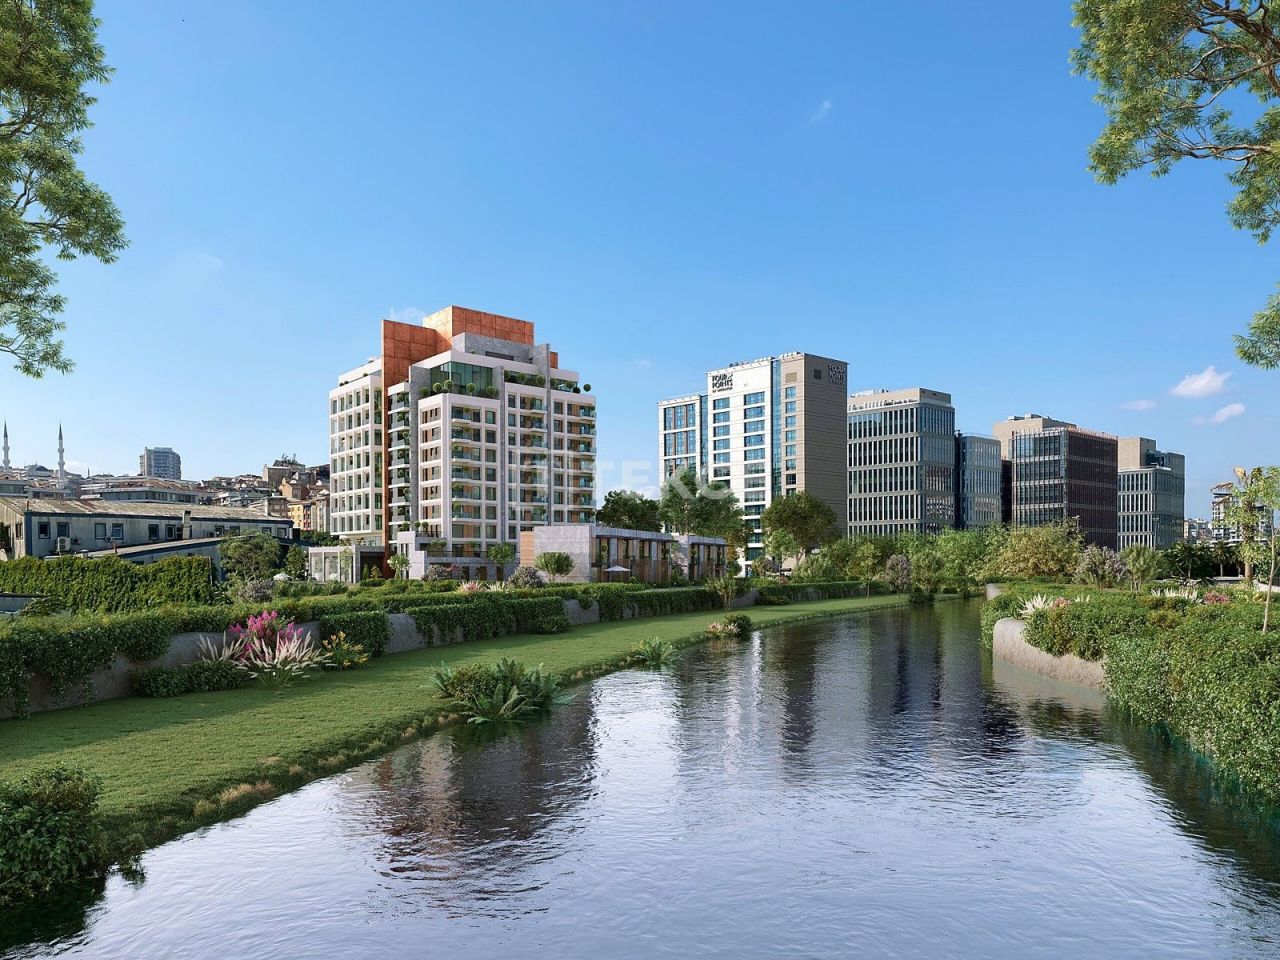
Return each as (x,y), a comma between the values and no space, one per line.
(653,653)
(370,630)
(50,833)
(1100,567)
(212,676)
(505,692)
(554,623)
(159,682)
(525,577)
(343,654)
(251,591)
(739,622)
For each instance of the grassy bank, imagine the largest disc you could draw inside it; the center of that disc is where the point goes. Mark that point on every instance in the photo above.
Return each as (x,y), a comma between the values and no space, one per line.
(172,764)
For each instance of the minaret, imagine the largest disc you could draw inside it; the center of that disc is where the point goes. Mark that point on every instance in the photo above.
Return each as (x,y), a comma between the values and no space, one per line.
(62,462)
(6,445)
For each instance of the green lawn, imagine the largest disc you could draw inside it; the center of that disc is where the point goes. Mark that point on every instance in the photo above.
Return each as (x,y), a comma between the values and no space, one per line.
(168,765)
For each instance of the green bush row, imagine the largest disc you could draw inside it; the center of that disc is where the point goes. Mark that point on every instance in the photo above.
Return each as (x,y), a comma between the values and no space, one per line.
(1206,672)
(109,584)
(777,594)
(203,676)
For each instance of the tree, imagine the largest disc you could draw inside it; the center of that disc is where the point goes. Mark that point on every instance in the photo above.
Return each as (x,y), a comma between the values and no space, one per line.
(1143,564)
(501,554)
(779,545)
(1244,511)
(295,563)
(807,520)
(629,510)
(49,54)
(554,564)
(399,563)
(1171,75)
(963,554)
(897,573)
(1191,560)
(1225,555)
(704,509)
(1047,552)
(255,557)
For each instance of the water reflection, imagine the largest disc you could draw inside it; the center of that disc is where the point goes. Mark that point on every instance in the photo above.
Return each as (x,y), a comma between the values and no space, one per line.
(872,786)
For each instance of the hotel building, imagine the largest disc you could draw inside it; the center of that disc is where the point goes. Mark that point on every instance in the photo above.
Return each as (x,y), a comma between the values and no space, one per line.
(462,434)
(768,428)
(901,462)
(1059,471)
(1151,503)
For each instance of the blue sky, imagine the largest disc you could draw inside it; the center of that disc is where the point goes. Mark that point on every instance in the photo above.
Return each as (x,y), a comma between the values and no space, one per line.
(661,188)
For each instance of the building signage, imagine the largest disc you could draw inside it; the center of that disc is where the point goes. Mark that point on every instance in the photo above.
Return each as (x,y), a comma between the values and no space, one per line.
(835,372)
(721,381)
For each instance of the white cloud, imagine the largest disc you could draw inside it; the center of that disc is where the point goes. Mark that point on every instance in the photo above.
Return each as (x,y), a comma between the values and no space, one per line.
(1139,405)
(1223,414)
(823,111)
(644,363)
(406,314)
(1204,384)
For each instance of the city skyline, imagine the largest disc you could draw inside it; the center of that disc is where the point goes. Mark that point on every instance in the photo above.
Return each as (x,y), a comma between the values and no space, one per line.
(750,223)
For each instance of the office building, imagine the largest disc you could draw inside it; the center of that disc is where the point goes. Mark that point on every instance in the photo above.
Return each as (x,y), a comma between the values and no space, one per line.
(767,428)
(463,433)
(160,462)
(979,481)
(901,462)
(1060,472)
(1151,500)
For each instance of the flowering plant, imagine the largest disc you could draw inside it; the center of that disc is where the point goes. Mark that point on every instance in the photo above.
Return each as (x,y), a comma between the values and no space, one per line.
(273,652)
(1213,596)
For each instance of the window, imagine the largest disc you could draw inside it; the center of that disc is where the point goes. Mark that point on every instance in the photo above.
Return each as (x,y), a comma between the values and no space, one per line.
(753,426)
(757,397)
(752,412)
(153,531)
(790,393)
(99,531)
(720,403)
(117,531)
(64,528)
(722,417)
(42,529)
(817,373)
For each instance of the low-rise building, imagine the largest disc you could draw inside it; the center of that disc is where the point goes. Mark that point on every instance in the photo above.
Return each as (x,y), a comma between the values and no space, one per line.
(44,528)
(612,554)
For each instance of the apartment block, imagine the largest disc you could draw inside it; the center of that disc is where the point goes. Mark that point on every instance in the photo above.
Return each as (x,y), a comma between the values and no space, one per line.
(161,462)
(1059,471)
(901,462)
(979,480)
(1224,530)
(768,428)
(1151,502)
(462,434)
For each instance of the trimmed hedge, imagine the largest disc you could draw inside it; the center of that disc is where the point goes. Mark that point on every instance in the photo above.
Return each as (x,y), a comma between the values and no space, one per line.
(371,629)
(109,584)
(70,649)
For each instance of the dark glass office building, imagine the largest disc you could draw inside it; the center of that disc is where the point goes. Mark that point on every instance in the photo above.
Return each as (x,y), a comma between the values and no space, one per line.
(1062,472)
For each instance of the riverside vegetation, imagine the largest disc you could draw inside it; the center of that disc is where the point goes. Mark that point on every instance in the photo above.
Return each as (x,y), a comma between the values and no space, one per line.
(1193,661)
(157,767)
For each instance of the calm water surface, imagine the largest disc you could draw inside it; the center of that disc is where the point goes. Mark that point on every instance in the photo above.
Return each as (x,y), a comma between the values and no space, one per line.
(868,787)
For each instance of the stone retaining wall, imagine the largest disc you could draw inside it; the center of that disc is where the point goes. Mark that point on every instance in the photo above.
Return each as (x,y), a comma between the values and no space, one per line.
(1009,643)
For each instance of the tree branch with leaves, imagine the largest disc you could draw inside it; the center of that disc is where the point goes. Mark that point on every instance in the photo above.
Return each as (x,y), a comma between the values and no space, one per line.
(49,55)
(1175,78)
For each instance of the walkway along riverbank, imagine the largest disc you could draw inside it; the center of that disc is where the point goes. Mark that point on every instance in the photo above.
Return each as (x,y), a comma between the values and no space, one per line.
(170,765)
